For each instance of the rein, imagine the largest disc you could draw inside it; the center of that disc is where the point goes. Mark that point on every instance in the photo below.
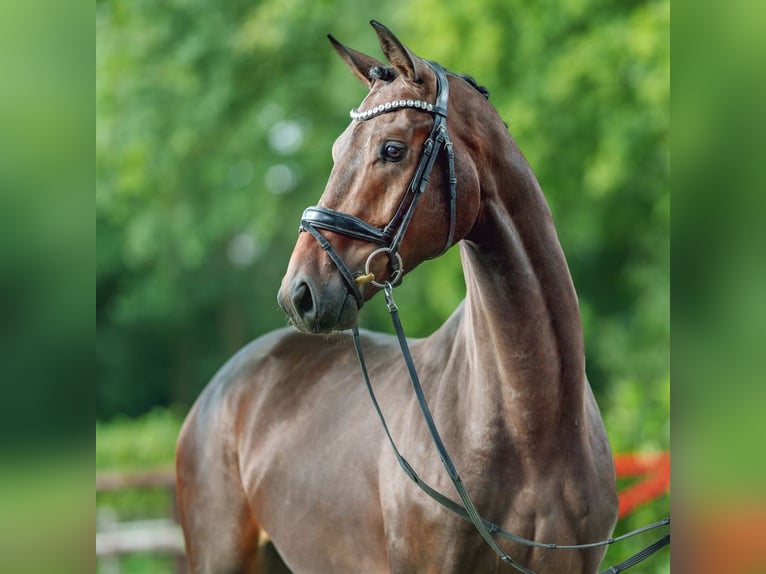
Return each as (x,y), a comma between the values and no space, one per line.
(389,238)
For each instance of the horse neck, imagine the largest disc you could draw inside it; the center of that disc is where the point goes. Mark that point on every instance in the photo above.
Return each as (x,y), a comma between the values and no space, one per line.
(521,322)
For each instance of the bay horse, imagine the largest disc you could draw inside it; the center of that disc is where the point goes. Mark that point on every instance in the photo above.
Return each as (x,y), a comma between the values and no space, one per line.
(284,440)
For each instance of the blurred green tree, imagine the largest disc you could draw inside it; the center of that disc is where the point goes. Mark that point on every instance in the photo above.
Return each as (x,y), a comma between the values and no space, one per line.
(214,128)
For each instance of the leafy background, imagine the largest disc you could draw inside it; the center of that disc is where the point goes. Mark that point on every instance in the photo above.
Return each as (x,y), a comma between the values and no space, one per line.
(214,125)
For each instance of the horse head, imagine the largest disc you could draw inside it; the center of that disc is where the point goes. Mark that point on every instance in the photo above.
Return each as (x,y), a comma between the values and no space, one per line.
(390,201)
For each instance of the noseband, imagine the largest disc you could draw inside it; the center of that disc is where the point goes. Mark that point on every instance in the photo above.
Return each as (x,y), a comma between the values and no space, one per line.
(390,237)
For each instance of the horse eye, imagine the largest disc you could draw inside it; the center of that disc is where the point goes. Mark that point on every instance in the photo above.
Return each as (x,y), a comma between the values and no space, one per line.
(393,151)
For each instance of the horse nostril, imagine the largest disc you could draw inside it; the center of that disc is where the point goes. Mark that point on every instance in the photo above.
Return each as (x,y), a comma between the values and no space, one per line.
(302,299)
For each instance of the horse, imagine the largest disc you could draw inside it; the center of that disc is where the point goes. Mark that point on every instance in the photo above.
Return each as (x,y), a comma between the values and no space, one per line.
(283,444)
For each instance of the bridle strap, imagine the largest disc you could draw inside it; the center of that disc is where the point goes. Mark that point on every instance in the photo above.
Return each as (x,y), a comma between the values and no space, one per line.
(348,277)
(437,139)
(468,510)
(345,224)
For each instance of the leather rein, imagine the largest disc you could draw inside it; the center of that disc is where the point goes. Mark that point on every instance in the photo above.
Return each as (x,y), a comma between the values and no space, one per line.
(389,238)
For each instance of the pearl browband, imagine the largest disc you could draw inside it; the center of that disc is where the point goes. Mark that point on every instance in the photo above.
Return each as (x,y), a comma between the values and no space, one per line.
(390,107)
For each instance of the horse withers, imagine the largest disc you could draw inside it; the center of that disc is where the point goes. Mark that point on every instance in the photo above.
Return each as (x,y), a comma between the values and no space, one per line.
(284,441)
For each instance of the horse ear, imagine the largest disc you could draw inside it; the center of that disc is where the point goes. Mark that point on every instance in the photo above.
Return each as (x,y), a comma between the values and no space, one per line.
(359,63)
(403,61)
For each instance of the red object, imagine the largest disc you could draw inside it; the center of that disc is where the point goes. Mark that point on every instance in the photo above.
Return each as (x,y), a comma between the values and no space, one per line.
(724,536)
(655,469)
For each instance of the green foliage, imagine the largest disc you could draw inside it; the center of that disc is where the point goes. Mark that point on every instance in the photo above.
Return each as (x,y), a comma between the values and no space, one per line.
(215,124)
(142,563)
(143,443)
(214,129)
(140,443)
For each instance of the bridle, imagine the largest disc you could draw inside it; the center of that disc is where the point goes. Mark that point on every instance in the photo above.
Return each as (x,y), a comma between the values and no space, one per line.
(389,239)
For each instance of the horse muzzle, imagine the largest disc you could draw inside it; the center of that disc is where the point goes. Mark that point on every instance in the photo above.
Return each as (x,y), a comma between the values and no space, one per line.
(314,309)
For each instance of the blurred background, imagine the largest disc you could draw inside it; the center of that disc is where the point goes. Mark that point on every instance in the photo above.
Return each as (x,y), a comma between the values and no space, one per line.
(214,128)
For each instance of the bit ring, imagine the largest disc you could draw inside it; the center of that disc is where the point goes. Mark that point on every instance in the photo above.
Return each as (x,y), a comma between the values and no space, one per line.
(396,276)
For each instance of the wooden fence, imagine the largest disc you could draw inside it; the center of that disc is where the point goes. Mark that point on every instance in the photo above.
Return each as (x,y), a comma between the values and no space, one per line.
(161,536)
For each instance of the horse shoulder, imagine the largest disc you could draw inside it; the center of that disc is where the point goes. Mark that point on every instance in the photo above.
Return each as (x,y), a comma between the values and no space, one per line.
(220,530)
(240,387)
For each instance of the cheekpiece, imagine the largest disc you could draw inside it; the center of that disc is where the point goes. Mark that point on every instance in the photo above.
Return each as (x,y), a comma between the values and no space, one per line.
(390,107)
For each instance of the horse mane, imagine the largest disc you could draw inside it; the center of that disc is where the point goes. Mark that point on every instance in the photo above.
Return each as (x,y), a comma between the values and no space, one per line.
(471,82)
(387,74)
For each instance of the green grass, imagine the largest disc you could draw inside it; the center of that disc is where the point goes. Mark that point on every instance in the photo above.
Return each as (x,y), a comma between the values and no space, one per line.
(141,564)
(141,443)
(45,506)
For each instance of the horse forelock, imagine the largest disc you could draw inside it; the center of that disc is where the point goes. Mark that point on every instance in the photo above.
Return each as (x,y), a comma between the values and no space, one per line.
(388,74)
(385,73)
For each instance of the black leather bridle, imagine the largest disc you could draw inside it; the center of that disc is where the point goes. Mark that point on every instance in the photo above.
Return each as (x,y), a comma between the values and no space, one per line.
(389,238)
